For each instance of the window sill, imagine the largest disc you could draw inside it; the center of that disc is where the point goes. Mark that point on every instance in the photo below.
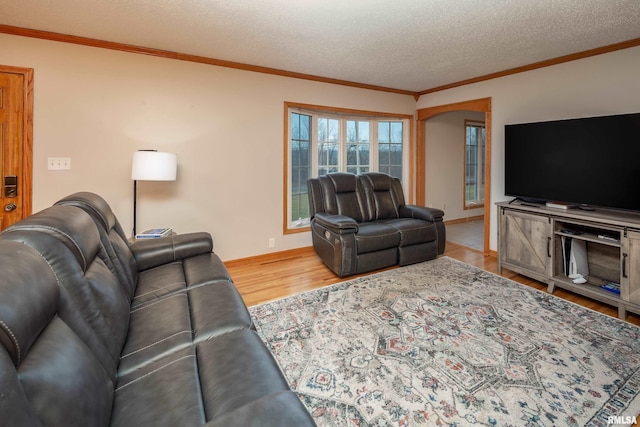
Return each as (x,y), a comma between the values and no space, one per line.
(474,206)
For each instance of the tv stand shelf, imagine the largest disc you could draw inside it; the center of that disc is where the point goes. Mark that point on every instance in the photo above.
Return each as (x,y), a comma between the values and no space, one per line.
(530,242)
(591,238)
(590,289)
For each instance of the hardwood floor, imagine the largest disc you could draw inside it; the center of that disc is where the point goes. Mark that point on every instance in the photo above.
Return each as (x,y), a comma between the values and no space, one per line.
(266,278)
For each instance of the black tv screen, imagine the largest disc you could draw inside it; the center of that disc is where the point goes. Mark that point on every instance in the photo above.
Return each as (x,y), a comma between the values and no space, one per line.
(591,161)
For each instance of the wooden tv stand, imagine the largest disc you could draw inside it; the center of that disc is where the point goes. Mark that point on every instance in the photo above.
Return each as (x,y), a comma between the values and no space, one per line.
(530,243)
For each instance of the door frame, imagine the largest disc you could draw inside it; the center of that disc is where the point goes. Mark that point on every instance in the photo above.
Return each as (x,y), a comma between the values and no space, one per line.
(27,143)
(481,105)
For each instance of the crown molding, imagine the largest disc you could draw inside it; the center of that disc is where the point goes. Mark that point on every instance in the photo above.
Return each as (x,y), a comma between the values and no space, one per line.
(85,41)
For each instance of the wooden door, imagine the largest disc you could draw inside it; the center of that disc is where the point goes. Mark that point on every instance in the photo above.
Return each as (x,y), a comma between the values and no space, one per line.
(15,144)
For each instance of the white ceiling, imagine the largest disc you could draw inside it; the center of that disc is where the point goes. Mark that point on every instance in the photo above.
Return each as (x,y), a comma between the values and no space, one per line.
(412,45)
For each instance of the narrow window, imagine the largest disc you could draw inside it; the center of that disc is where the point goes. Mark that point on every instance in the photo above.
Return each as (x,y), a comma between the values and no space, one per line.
(300,156)
(474,149)
(328,145)
(390,144)
(358,144)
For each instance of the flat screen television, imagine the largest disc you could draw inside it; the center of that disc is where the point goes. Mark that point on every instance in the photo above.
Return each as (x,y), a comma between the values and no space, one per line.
(592,161)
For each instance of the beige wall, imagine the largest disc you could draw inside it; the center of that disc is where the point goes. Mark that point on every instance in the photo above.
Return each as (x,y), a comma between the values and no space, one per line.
(98,106)
(444,163)
(599,85)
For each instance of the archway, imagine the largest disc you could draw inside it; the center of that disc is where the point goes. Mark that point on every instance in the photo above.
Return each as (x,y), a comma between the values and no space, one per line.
(480,105)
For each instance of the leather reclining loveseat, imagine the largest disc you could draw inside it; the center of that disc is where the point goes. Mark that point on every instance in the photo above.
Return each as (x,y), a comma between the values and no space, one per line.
(361,223)
(97,332)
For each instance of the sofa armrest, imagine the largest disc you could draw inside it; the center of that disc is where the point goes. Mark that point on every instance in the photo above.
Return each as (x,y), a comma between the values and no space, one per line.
(338,224)
(150,253)
(421,212)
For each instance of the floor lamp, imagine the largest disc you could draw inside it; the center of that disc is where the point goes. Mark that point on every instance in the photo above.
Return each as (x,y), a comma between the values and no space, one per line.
(151,165)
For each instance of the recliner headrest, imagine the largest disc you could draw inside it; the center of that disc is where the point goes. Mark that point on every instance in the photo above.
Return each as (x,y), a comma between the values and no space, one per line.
(93,203)
(344,182)
(379,181)
(30,297)
(69,224)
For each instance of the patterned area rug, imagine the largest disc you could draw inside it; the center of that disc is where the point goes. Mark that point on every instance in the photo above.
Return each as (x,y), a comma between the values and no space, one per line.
(444,343)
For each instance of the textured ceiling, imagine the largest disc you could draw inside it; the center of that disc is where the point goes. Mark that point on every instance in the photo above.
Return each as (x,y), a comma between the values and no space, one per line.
(412,45)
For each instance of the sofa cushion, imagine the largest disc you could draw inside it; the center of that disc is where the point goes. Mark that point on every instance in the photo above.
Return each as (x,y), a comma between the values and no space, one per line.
(203,269)
(163,326)
(228,380)
(163,393)
(236,369)
(15,408)
(413,231)
(39,298)
(63,380)
(93,303)
(155,330)
(217,309)
(48,375)
(381,202)
(342,195)
(374,236)
(111,233)
(159,282)
(179,276)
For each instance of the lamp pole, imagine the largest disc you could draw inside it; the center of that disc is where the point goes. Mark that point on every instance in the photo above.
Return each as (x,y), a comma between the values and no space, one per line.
(135,196)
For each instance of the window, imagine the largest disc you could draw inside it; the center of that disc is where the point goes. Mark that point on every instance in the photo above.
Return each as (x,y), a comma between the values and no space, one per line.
(299,156)
(358,146)
(474,149)
(321,141)
(328,146)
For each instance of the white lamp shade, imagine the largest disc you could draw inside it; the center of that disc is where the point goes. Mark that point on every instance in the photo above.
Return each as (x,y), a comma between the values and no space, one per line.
(154,166)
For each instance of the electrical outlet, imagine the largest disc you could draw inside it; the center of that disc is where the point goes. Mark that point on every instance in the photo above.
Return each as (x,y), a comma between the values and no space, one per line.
(272,242)
(59,163)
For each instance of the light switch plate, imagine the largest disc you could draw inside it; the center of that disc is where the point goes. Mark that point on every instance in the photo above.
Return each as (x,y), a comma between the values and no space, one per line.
(59,163)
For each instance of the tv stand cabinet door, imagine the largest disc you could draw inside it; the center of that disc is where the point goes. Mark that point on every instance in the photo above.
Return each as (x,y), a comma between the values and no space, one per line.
(630,269)
(525,243)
